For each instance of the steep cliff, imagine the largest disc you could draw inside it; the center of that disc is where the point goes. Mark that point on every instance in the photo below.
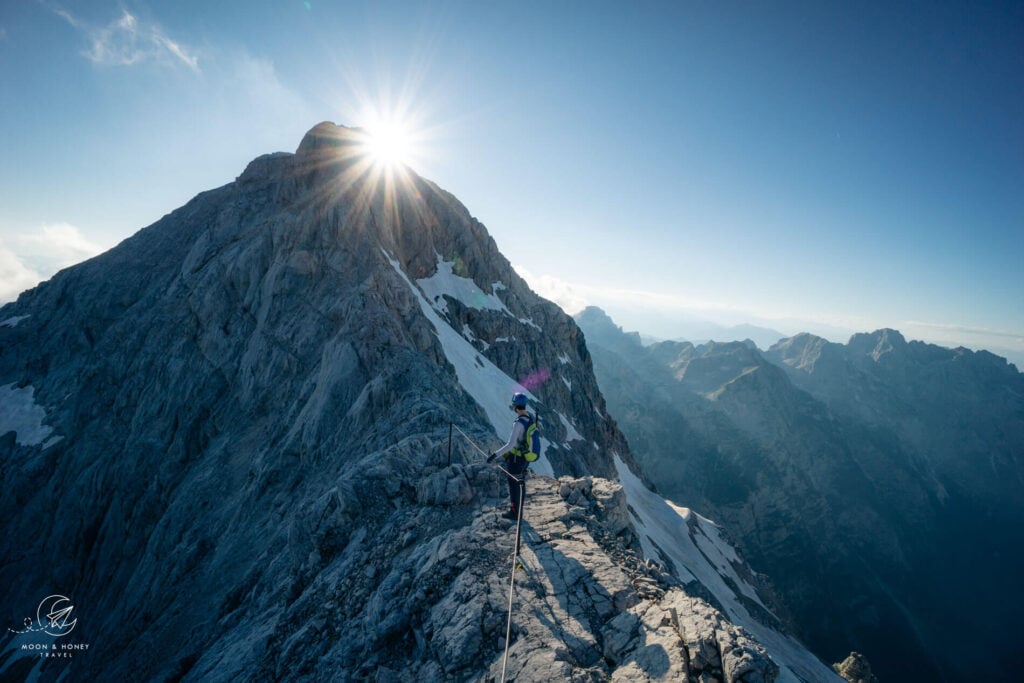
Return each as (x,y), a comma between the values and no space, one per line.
(877,483)
(226,442)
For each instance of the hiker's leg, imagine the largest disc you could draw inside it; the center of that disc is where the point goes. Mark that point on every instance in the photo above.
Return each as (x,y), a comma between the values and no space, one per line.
(513,488)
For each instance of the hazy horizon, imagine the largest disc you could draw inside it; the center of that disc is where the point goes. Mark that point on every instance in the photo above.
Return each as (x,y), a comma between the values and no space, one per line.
(680,325)
(803,167)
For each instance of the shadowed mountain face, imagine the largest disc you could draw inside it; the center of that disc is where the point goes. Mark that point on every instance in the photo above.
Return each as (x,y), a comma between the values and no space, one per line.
(236,392)
(226,442)
(878,483)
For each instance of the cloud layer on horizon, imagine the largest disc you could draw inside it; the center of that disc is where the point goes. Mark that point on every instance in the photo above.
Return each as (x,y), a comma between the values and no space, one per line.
(664,315)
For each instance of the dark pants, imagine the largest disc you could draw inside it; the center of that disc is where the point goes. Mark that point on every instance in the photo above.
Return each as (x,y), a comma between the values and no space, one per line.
(516,489)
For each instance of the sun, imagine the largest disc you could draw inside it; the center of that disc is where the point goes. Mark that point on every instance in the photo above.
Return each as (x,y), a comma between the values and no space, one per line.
(389,144)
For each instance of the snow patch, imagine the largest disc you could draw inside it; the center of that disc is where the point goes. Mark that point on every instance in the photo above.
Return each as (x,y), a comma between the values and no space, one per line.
(718,551)
(467,333)
(529,321)
(570,432)
(13,322)
(489,386)
(564,359)
(567,383)
(20,414)
(446,283)
(697,551)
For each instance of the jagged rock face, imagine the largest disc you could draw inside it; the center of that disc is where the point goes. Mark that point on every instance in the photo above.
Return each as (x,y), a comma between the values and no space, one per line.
(954,407)
(227,439)
(426,598)
(223,370)
(866,480)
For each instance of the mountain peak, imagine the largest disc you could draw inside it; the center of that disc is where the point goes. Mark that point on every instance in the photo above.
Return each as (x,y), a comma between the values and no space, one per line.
(878,343)
(325,145)
(328,136)
(600,328)
(310,340)
(801,351)
(596,315)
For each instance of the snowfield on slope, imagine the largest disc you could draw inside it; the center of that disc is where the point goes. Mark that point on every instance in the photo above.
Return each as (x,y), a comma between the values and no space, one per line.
(489,386)
(665,534)
(20,414)
(446,283)
(664,529)
(13,322)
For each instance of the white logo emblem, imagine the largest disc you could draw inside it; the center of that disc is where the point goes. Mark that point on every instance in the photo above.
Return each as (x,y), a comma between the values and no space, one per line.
(52,617)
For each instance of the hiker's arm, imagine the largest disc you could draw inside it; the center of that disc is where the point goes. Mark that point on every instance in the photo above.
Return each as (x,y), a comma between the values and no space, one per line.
(513,439)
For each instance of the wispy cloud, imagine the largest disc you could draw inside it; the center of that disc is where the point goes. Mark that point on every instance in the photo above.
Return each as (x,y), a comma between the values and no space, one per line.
(967,335)
(967,329)
(566,295)
(53,247)
(127,41)
(574,297)
(15,276)
(29,258)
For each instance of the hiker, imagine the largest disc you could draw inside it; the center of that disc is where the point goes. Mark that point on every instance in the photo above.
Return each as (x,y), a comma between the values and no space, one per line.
(514,453)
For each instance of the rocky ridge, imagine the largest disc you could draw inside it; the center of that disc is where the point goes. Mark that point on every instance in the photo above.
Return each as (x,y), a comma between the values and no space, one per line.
(227,441)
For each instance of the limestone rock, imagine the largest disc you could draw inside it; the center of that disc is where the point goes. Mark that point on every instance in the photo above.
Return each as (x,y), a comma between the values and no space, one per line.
(820,459)
(237,465)
(855,669)
(447,487)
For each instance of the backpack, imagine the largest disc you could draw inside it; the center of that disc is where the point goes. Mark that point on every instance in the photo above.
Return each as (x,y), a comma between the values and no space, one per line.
(530,450)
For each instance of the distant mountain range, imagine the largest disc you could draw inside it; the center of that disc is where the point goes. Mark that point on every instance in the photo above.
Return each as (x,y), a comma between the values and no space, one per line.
(699,333)
(879,483)
(663,326)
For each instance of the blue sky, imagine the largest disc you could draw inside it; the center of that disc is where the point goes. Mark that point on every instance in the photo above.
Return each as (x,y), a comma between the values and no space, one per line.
(818,166)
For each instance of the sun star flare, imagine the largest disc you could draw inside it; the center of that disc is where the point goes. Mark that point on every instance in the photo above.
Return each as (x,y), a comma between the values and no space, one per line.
(389,144)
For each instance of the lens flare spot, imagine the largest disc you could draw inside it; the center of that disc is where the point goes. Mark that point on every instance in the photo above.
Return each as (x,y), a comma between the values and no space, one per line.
(535,379)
